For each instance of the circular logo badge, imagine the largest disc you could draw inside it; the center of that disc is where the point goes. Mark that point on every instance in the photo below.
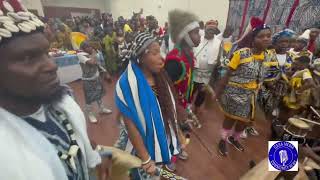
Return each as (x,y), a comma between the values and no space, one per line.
(283,156)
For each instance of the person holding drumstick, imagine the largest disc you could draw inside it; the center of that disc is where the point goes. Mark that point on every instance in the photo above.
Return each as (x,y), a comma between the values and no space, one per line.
(237,91)
(145,98)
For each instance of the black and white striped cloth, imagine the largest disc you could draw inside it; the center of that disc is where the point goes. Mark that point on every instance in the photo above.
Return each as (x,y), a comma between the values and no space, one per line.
(140,44)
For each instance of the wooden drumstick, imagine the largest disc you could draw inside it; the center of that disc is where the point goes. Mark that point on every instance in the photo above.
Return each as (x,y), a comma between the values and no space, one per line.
(315,111)
(310,121)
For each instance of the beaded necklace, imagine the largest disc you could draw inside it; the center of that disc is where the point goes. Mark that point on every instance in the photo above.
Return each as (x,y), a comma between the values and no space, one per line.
(74,147)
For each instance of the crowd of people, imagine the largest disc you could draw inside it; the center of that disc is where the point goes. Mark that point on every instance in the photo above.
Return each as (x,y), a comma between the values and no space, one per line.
(113,37)
(166,77)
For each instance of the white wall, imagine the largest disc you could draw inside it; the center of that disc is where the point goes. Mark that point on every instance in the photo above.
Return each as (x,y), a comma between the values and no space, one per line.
(34,4)
(205,9)
(91,4)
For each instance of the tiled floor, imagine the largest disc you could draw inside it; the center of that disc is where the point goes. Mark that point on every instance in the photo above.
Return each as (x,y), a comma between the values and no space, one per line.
(204,162)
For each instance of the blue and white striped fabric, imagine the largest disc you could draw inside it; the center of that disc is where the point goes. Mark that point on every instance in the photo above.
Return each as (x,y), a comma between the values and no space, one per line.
(136,100)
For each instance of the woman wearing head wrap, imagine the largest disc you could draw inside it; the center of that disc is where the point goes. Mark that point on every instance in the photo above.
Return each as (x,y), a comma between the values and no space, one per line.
(281,42)
(237,91)
(145,98)
(90,62)
(275,81)
(184,31)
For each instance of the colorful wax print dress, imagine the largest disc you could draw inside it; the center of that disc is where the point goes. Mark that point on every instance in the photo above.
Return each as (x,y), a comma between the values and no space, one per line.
(238,100)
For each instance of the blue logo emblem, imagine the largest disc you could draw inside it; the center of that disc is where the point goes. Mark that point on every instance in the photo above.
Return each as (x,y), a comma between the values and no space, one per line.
(283,156)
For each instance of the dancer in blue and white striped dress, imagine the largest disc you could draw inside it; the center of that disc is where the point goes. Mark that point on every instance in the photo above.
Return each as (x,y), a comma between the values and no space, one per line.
(146,101)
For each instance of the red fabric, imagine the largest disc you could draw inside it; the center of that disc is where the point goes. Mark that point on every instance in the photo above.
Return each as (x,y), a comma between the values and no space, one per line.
(182,86)
(312,46)
(245,11)
(266,11)
(174,159)
(293,9)
(256,22)
(161,32)
(16,5)
(1,6)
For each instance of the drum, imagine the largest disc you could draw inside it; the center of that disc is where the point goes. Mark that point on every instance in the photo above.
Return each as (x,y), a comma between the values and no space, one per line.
(313,115)
(295,130)
(123,162)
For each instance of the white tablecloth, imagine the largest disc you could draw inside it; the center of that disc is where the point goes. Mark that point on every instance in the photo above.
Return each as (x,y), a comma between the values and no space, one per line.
(69,74)
(69,69)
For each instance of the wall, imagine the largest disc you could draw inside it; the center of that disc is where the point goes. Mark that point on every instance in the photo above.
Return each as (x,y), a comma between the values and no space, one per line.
(34,5)
(54,11)
(87,4)
(205,9)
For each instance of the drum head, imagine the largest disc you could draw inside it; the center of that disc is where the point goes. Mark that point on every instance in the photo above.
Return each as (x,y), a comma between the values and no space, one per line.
(298,123)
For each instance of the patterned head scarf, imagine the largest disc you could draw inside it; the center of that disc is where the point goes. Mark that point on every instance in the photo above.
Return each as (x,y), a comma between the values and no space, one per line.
(286,33)
(16,19)
(140,44)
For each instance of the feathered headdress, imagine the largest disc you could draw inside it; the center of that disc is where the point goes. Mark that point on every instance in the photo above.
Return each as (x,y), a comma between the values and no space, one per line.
(15,18)
(181,22)
(255,25)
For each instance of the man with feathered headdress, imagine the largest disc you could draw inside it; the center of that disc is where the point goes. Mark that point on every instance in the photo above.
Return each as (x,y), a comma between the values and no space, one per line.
(184,31)
(179,63)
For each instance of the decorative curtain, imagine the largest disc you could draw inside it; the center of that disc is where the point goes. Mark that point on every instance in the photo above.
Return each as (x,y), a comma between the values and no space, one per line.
(297,15)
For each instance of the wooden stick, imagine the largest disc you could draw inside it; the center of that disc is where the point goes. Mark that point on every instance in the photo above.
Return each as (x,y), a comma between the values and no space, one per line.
(310,121)
(315,111)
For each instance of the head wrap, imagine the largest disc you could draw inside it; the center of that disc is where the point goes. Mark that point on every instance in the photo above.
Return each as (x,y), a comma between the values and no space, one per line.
(140,44)
(286,33)
(180,24)
(303,40)
(305,34)
(15,19)
(211,24)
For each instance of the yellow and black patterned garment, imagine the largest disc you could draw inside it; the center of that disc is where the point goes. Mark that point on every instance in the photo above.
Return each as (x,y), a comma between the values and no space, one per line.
(239,97)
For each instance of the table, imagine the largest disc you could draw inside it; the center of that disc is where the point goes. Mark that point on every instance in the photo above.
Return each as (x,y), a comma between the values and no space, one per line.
(69,68)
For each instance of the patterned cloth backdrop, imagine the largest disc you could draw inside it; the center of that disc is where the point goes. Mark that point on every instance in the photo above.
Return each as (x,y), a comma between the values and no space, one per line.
(304,14)
(307,15)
